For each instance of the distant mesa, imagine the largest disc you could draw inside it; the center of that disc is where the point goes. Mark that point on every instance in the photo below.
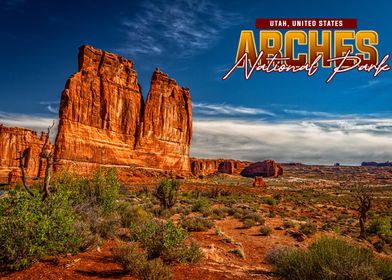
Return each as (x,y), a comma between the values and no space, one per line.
(377,164)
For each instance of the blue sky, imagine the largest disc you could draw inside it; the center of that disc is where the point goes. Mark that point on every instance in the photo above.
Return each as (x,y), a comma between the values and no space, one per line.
(287,117)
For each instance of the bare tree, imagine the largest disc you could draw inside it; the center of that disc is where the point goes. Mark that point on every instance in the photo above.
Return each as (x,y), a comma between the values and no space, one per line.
(23,160)
(46,155)
(364,195)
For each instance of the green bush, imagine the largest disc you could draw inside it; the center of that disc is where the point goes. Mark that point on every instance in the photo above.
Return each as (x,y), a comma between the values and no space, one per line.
(135,262)
(265,231)
(381,226)
(257,218)
(308,229)
(31,228)
(163,239)
(197,224)
(103,188)
(270,201)
(201,204)
(131,214)
(329,258)
(167,192)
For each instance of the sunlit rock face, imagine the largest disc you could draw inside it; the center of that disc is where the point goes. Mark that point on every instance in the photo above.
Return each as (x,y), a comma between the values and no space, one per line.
(14,140)
(104,121)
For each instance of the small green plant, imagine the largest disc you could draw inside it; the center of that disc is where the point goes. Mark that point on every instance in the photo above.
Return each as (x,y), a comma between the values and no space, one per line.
(381,226)
(265,231)
(131,214)
(165,240)
(270,201)
(167,192)
(238,251)
(197,224)
(288,224)
(136,263)
(201,204)
(308,229)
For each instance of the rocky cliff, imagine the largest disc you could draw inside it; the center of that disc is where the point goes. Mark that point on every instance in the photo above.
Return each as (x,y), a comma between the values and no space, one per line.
(203,167)
(13,140)
(166,127)
(104,121)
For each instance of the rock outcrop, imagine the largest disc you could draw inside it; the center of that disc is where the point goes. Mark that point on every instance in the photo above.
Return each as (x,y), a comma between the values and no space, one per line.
(203,167)
(104,122)
(166,128)
(14,140)
(267,168)
(259,182)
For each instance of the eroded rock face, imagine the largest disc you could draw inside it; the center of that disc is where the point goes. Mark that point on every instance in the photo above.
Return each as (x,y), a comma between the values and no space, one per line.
(166,127)
(203,167)
(267,168)
(100,112)
(259,182)
(13,140)
(104,122)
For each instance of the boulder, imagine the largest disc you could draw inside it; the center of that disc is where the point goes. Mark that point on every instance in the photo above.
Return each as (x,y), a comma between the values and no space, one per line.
(267,168)
(259,182)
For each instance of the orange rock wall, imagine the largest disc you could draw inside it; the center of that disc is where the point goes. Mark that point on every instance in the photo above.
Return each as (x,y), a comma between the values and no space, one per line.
(103,119)
(13,140)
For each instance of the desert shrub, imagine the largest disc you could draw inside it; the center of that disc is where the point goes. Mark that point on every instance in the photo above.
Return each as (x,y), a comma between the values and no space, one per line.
(328,258)
(265,231)
(167,192)
(384,269)
(248,223)
(238,251)
(102,189)
(31,228)
(308,229)
(257,218)
(201,204)
(197,224)
(270,201)
(381,226)
(288,224)
(163,239)
(218,213)
(130,214)
(135,262)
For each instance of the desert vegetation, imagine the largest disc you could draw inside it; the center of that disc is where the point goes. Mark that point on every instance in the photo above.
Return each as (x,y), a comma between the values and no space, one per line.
(300,227)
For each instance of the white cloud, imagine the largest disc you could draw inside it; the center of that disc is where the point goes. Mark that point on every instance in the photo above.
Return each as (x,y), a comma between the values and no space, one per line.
(183,25)
(226,109)
(322,142)
(309,113)
(317,141)
(34,122)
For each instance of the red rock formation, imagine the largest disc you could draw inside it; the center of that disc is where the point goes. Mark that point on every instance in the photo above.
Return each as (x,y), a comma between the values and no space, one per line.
(267,168)
(259,182)
(100,112)
(103,120)
(203,167)
(166,130)
(13,140)
(226,167)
